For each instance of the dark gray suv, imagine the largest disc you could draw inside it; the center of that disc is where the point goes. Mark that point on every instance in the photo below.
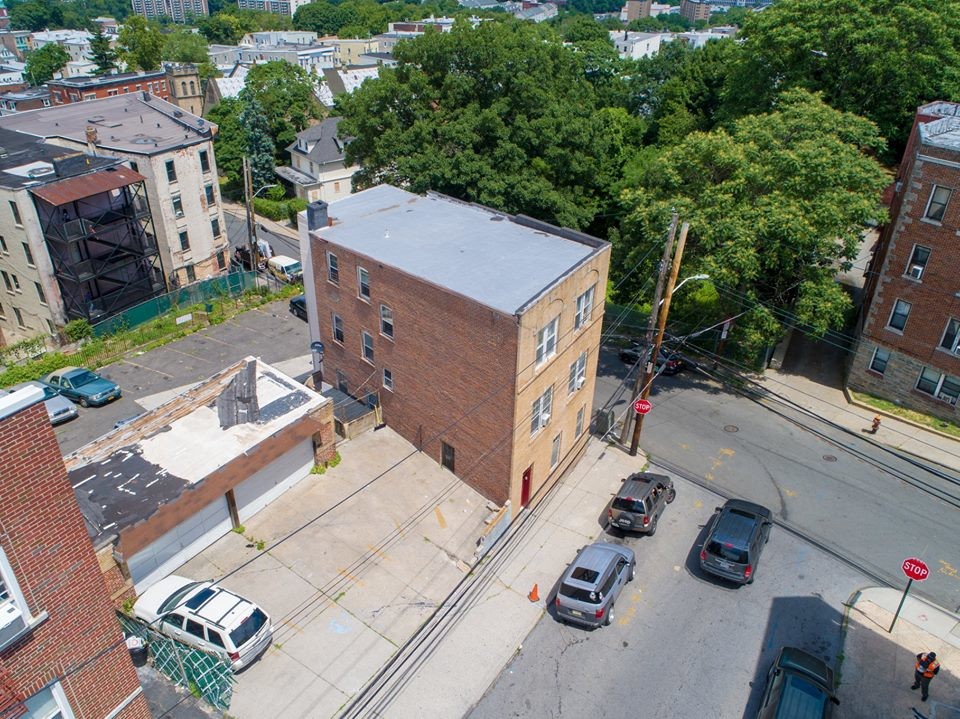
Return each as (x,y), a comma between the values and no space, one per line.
(799,686)
(735,541)
(593,581)
(640,502)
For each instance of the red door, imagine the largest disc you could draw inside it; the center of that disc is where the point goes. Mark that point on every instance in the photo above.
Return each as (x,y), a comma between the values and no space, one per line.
(525,487)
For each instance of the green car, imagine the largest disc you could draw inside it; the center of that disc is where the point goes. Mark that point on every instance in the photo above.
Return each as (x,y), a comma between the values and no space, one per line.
(83,386)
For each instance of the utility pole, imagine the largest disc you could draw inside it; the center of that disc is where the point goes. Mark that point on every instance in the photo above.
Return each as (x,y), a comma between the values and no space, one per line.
(651,324)
(661,327)
(251,225)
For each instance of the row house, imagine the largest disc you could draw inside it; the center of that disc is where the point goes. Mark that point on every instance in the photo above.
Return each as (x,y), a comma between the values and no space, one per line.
(64,91)
(317,169)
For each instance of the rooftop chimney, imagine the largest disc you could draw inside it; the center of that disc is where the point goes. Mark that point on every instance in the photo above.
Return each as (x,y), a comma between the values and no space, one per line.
(317,215)
(92,139)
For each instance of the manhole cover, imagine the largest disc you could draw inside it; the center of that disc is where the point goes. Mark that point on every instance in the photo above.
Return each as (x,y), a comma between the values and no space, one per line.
(829,458)
(731,428)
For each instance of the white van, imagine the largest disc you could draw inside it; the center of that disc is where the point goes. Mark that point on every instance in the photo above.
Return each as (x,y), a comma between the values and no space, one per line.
(285,268)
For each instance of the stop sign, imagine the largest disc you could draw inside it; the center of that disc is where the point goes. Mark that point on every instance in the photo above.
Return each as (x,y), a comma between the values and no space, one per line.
(915,569)
(642,406)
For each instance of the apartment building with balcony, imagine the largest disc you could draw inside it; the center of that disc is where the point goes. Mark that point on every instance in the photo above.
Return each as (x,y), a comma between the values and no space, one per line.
(172,150)
(176,10)
(909,346)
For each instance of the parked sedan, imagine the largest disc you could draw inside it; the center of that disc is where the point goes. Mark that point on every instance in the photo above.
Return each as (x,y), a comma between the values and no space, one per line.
(593,581)
(59,409)
(799,686)
(298,306)
(83,386)
(666,363)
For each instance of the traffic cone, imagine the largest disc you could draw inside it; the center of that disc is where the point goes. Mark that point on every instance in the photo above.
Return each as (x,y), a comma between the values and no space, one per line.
(534,595)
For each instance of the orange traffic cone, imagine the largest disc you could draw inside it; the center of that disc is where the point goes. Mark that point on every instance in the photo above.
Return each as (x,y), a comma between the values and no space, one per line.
(534,595)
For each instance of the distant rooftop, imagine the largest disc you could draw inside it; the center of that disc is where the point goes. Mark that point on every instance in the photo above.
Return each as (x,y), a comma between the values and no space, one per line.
(133,122)
(499,260)
(26,161)
(945,131)
(89,81)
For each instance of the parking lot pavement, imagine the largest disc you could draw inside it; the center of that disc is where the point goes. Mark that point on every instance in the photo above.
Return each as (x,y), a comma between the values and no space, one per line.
(362,569)
(269,332)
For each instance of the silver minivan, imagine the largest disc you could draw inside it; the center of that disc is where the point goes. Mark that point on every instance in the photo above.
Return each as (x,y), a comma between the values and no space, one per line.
(593,581)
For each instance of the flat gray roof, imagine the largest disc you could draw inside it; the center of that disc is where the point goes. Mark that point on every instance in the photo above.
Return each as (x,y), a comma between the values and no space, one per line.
(494,258)
(127,122)
(944,132)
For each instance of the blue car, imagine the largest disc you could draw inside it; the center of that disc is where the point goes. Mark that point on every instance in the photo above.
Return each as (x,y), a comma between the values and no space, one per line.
(86,388)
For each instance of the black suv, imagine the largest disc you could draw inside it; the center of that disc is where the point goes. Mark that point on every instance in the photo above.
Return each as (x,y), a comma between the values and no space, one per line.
(736,538)
(798,685)
(640,502)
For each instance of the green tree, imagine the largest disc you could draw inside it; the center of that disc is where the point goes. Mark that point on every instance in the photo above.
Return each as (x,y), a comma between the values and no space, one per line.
(324,18)
(581,28)
(43,63)
(775,204)
(101,53)
(285,92)
(876,58)
(260,147)
(140,44)
(35,15)
(230,143)
(185,46)
(502,115)
(222,29)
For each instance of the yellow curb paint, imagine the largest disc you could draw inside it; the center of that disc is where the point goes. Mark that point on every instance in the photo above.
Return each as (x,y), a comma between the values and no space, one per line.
(440,520)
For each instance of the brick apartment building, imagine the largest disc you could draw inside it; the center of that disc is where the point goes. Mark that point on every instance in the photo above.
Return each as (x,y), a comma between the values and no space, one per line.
(909,348)
(67,90)
(176,10)
(694,10)
(61,649)
(479,330)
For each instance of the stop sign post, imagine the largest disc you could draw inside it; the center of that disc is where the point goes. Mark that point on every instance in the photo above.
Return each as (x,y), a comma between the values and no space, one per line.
(916,570)
(642,406)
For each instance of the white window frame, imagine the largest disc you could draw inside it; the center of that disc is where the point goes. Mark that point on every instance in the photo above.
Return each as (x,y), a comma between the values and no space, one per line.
(361,272)
(547,340)
(386,321)
(541,410)
(387,379)
(581,416)
(364,336)
(555,448)
(886,360)
(337,326)
(578,373)
(63,711)
(954,347)
(937,392)
(915,270)
(333,268)
(933,191)
(893,312)
(584,308)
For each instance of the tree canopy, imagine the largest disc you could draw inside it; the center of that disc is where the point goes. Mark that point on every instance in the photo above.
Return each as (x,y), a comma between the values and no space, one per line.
(230,143)
(259,147)
(140,44)
(37,15)
(101,54)
(45,62)
(286,94)
(185,46)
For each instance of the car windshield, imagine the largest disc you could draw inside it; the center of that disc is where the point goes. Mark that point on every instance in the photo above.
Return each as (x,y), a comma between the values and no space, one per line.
(801,698)
(81,378)
(581,595)
(48,392)
(174,599)
(294,268)
(727,551)
(248,628)
(629,504)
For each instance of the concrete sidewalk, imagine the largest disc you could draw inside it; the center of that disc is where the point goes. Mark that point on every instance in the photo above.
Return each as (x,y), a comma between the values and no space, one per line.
(492,627)
(877,668)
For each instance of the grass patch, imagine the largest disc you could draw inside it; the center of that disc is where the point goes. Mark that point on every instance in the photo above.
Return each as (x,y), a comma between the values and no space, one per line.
(925,420)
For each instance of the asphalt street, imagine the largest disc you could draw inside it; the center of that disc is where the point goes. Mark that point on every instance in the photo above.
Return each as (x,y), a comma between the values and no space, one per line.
(683,644)
(861,501)
(237,234)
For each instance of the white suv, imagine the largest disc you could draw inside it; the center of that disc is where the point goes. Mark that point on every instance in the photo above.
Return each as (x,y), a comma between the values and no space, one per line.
(208,617)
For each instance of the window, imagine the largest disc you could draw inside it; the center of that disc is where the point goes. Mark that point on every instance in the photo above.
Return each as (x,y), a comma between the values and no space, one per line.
(195,628)
(184,240)
(937,204)
(171,171)
(20,322)
(191,273)
(29,254)
(584,308)
(3,314)
(134,166)
(555,452)
(174,621)
(338,329)
(581,414)
(16,214)
(43,297)
(215,226)
(944,388)
(204,161)
(208,193)
(16,282)
(879,361)
(447,456)
(336,187)
(363,282)
(918,261)
(898,317)
(951,337)
(547,341)
(386,321)
(177,205)
(540,412)
(342,382)
(48,703)
(6,281)
(333,268)
(388,379)
(215,638)
(367,340)
(221,260)
(3,246)
(578,373)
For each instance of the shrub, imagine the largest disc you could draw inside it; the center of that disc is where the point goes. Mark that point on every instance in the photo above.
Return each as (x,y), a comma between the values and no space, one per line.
(78,329)
(276,211)
(297,204)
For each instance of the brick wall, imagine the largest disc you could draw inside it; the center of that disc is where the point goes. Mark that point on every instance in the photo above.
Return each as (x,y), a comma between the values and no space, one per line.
(46,542)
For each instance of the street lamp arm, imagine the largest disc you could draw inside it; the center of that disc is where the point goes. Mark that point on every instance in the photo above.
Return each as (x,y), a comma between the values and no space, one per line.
(686,280)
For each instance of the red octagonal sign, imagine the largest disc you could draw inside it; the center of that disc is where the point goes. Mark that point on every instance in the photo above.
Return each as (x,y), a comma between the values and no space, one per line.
(642,406)
(915,569)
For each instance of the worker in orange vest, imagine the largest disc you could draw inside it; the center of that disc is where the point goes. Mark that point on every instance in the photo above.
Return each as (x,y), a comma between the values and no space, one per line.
(926,669)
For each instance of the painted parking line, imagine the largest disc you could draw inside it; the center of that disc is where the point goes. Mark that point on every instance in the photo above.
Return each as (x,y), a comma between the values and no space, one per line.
(151,369)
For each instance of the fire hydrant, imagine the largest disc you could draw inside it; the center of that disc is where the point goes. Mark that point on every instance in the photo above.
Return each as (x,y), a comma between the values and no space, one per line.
(876,425)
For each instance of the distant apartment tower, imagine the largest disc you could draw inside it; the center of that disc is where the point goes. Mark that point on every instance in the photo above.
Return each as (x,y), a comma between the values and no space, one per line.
(694,10)
(177,10)
(277,7)
(909,348)
(78,89)
(635,9)
(62,654)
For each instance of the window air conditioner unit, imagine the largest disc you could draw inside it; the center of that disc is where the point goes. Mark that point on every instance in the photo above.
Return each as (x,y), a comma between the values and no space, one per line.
(580,381)
(947,398)
(915,271)
(544,418)
(11,622)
